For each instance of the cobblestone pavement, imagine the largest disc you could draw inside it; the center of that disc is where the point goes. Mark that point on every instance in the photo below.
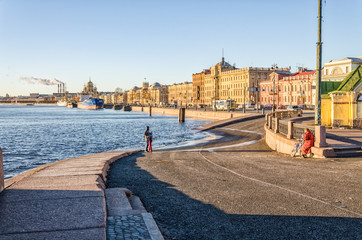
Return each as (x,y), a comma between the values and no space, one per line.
(130,227)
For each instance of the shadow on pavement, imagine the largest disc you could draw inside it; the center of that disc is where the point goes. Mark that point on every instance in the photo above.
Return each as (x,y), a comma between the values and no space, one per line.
(51,214)
(181,217)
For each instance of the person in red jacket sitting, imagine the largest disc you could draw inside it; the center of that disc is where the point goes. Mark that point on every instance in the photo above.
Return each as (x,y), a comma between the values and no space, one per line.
(308,142)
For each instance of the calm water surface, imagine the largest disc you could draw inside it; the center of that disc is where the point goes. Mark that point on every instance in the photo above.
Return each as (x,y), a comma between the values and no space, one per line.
(35,135)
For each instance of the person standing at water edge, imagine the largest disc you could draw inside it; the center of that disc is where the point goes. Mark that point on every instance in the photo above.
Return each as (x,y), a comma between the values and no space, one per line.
(146,135)
(150,143)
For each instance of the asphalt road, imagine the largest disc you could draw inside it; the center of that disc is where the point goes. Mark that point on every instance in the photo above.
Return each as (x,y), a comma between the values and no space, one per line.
(236,187)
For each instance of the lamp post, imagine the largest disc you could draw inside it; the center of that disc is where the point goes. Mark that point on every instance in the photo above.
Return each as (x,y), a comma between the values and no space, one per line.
(274,66)
(273,94)
(317,118)
(215,80)
(257,95)
(244,110)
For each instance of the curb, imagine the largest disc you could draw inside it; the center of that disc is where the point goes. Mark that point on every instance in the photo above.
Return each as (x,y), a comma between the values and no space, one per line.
(152,227)
(222,123)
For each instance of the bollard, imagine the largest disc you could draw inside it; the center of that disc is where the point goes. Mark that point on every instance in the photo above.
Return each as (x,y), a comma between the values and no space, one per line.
(141,109)
(320,136)
(231,115)
(276,130)
(263,111)
(244,109)
(1,171)
(181,115)
(290,130)
(150,112)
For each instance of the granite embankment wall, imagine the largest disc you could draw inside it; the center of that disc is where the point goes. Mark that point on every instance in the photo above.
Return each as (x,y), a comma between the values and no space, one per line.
(60,200)
(192,113)
(285,144)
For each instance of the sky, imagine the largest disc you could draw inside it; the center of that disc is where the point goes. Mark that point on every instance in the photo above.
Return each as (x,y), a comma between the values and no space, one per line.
(119,43)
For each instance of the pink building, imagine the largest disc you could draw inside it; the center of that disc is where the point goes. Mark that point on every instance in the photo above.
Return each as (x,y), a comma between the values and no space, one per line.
(268,90)
(288,89)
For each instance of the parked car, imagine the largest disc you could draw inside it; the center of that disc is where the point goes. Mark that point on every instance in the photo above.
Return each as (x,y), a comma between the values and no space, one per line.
(295,108)
(302,106)
(250,105)
(201,106)
(280,106)
(268,106)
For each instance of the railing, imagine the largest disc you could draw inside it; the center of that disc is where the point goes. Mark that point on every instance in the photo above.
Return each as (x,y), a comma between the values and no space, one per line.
(273,124)
(298,130)
(283,128)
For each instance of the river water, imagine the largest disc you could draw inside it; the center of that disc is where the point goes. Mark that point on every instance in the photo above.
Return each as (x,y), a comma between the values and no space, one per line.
(31,136)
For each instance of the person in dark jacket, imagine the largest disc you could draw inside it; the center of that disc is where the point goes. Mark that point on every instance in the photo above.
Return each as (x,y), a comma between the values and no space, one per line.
(146,136)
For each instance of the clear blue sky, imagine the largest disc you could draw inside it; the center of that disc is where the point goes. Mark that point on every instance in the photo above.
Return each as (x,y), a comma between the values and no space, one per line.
(119,43)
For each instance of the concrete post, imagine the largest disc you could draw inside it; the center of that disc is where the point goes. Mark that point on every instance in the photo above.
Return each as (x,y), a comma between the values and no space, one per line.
(270,122)
(276,130)
(290,130)
(181,115)
(1,171)
(320,136)
(150,112)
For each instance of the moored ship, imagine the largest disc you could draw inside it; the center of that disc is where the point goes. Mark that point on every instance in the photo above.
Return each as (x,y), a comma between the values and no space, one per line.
(92,103)
(62,103)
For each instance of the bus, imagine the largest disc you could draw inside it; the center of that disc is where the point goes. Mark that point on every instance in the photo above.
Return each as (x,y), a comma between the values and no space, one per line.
(226,105)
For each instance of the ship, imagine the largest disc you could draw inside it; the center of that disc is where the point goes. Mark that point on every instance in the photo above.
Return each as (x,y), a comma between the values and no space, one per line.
(92,103)
(62,103)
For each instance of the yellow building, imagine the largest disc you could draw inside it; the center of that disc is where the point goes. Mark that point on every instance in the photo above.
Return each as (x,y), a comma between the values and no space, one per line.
(134,96)
(158,94)
(181,94)
(227,82)
(198,87)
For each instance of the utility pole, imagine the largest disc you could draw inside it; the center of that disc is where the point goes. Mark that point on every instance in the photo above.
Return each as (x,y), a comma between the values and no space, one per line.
(317,117)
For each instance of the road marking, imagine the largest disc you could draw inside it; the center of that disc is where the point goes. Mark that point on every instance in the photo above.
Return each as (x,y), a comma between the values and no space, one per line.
(214,148)
(240,130)
(277,186)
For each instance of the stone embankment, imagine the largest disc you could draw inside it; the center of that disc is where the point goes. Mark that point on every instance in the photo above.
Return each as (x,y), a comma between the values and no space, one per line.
(191,112)
(68,200)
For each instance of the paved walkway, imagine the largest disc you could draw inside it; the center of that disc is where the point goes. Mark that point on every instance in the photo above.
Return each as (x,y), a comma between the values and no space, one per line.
(66,200)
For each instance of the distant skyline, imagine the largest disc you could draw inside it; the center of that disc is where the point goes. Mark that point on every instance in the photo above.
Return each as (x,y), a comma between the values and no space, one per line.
(119,43)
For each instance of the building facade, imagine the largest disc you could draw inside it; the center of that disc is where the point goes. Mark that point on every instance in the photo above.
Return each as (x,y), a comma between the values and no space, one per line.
(224,81)
(336,71)
(198,87)
(180,94)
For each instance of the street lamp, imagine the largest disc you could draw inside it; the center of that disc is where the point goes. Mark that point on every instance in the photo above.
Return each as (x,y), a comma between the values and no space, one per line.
(317,118)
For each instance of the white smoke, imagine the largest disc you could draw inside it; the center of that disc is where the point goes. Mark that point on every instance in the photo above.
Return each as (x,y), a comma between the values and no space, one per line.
(48,82)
